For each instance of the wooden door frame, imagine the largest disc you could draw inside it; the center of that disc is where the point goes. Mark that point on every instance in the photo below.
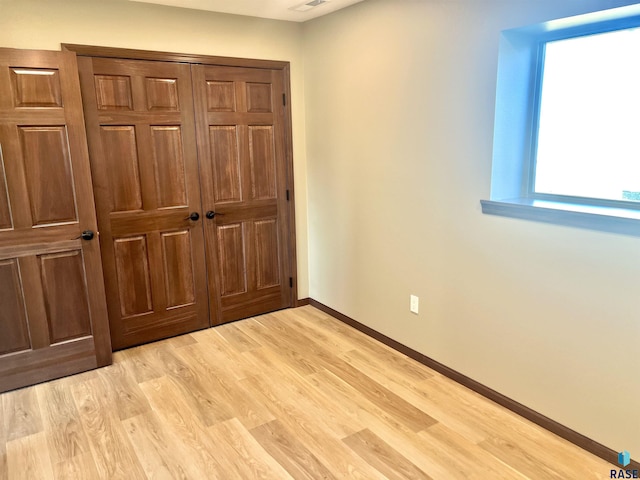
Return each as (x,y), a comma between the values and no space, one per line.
(283,66)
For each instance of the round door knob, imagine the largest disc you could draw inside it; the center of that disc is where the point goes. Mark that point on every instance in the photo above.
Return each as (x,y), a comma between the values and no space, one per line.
(210,214)
(87,235)
(194,216)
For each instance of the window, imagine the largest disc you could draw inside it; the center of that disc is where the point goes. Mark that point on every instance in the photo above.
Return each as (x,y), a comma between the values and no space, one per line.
(567,128)
(588,137)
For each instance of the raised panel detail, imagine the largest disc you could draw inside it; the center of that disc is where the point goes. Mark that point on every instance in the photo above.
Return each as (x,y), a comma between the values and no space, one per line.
(134,283)
(119,144)
(267,253)
(162,94)
(259,98)
(65,294)
(5,209)
(113,92)
(178,266)
(36,87)
(221,96)
(226,163)
(13,321)
(263,164)
(171,190)
(48,172)
(231,253)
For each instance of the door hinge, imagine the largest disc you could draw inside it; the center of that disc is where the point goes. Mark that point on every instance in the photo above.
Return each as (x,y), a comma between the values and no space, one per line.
(290,282)
(284,99)
(287,195)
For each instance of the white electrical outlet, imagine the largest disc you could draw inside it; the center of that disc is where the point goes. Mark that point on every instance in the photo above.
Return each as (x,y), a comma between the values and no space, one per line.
(414,304)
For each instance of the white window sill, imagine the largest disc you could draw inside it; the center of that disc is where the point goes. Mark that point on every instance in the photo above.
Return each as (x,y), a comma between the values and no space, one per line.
(608,219)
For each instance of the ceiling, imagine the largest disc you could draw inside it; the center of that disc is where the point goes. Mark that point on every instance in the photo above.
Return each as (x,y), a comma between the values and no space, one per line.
(274,9)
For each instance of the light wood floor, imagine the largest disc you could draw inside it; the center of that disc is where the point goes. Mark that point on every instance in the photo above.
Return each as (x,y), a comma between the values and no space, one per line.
(295,394)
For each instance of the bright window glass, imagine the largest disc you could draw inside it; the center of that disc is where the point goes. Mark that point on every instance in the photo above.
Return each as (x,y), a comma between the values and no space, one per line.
(588,142)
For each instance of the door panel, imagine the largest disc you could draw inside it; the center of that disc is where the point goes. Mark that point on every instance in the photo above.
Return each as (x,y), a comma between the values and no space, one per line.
(231,252)
(36,87)
(162,94)
(52,303)
(15,335)
(168,163)
(262,162)
(244,181)
(132,264)
(141,134)
(178,263)
(120,153)
(113,92)
(225,164)
(65,295)
(5,214)
(220,96)
(259,97)
(267,253)
(48,174)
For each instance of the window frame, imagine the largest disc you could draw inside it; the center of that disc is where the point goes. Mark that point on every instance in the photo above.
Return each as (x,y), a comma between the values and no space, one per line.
(516,127)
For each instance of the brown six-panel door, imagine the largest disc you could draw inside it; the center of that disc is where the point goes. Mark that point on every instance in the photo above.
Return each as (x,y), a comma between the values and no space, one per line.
(53,317)
(140,125)
(241,147)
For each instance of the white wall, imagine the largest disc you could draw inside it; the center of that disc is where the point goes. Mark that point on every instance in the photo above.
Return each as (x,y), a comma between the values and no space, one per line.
(45,24)
(399,115)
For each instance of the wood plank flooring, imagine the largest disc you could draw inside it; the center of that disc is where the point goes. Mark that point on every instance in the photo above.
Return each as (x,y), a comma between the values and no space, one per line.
(294,394)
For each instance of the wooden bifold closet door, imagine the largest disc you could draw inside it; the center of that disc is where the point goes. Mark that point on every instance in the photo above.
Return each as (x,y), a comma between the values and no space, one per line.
(190,179)
(140,126)
(53,316)
(243,177)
